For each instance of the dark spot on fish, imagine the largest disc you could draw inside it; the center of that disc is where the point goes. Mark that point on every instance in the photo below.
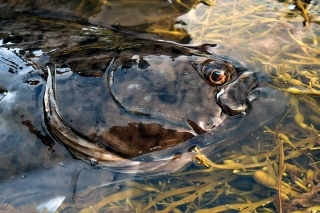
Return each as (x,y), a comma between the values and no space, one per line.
(22,52)
(165,96)
(12,71)
(45,139)
(127,64)
(3,93)
(31,82)
(141,113)
(196,128)
(143,138)
(92,73)
(171,99)
(59,72)
(143,64)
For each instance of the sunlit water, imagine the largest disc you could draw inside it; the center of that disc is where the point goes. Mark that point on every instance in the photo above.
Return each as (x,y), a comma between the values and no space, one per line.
(265,35)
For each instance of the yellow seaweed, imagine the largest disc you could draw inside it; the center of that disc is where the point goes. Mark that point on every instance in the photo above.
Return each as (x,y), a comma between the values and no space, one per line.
(274,162)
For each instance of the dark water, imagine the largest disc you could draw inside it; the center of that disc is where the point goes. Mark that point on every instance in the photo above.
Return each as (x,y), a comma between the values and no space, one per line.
(264,36)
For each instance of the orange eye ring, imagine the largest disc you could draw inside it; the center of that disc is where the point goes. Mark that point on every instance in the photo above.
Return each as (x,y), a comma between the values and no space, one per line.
(218,77)
(217,72)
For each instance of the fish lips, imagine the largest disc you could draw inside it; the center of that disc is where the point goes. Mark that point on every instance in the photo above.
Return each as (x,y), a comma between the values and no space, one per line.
(235,97)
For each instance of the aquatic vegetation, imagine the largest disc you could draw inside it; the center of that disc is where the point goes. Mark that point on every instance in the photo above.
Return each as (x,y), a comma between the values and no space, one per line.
(274,170)
(278,171)
(196,190)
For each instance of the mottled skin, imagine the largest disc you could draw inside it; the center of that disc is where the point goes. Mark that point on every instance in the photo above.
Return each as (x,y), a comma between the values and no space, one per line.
(103,80)
(153,92)
(152,97)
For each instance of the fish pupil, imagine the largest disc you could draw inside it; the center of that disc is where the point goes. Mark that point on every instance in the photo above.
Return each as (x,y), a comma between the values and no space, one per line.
(217,76)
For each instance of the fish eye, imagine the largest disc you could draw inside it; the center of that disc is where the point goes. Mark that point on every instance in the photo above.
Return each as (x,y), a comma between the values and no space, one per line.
(218,73)
(218,77)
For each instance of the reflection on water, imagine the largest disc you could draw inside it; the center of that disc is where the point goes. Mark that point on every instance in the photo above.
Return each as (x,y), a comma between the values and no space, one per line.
(137,15)
(274,168)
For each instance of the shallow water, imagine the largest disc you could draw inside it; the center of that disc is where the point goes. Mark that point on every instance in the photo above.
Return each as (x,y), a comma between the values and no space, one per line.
(266,35)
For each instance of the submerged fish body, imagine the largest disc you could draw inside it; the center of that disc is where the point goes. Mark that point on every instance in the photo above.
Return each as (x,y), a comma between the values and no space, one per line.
(25,146)
(139,108)
(123,102)
(133,106)
(152,104)
(130,108)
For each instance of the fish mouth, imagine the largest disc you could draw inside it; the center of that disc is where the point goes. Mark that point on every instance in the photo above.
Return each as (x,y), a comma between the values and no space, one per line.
(235,98)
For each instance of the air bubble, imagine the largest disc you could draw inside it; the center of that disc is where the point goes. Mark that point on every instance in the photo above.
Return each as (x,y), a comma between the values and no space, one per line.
(93,161)
(62,164)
